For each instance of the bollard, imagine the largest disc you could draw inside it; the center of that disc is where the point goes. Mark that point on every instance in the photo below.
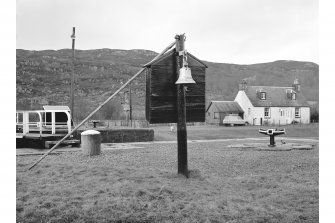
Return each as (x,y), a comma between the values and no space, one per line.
(90,142)
(272,133)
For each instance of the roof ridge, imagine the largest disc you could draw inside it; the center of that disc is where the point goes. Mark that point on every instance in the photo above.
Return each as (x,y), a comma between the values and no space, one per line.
(168,53)
(223,101)
(271,86)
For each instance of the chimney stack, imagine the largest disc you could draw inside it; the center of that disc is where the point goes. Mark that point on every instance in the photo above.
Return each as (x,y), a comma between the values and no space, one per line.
(296,85)
(243,85)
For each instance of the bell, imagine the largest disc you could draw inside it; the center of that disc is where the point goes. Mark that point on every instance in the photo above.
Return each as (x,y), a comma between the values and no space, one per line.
(185,76)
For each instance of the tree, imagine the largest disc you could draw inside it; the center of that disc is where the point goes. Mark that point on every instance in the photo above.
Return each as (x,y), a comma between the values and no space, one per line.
(315,113)
(112,110)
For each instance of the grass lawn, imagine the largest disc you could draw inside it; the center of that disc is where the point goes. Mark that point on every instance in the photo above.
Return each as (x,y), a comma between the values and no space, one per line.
(162,133)
(141,185)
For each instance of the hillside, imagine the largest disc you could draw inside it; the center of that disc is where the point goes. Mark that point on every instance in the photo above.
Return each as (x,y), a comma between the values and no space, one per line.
(44,77)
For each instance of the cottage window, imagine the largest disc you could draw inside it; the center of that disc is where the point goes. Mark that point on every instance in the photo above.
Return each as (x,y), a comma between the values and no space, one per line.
(249,111)
(266,112)
(216,115)
(297,112)
(263,95)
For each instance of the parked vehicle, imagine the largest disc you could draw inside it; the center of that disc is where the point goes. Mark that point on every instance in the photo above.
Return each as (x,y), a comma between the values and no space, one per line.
(233,119)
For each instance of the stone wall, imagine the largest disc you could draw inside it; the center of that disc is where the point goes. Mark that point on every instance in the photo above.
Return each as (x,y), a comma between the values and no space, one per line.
(122,135)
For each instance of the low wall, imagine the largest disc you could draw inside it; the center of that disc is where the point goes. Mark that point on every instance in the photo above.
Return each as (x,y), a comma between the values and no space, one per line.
(133,124)
(121,135)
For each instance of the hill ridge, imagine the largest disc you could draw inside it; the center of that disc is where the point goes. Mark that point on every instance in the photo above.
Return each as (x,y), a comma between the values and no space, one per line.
(43,76)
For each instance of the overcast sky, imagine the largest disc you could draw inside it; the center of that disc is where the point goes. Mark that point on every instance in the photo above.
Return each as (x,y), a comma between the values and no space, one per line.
(227,31)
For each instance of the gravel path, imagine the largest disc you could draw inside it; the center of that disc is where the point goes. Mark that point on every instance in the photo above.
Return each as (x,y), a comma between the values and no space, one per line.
(138,145)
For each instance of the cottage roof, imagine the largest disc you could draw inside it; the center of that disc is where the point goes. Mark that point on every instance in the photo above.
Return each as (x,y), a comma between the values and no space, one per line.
(226,106)
(275,97)
(169,53)
(56,108)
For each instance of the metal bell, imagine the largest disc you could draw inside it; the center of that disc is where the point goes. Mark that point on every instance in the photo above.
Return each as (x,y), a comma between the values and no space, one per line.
(185,76)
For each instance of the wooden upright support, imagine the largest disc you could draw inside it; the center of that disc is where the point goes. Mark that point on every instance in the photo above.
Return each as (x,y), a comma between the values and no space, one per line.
(181,109)
(130,108)
(72,76)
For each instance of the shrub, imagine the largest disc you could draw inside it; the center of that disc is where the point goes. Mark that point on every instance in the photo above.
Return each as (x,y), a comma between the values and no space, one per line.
(315,113)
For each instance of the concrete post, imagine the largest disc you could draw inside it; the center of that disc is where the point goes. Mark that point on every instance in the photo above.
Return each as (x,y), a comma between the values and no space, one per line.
(91,142)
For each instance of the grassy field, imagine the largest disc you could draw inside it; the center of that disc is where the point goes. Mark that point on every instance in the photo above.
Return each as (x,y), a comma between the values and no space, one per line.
(141,185)
(162,133)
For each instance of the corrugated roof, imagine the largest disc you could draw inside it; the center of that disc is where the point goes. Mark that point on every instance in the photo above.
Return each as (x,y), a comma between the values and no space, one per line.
(275,97)
(226,106)
(56,108)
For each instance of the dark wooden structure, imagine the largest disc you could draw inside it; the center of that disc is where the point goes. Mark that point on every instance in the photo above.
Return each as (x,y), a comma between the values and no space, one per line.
(161,90)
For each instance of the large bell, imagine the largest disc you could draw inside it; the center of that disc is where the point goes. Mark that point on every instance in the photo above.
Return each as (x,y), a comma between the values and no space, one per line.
(185,76)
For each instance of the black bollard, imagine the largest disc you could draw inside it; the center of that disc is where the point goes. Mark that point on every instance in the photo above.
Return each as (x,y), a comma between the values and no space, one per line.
(272,133)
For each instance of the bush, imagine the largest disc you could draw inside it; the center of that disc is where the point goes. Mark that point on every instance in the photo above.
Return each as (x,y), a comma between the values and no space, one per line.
(315,113)
(112,110)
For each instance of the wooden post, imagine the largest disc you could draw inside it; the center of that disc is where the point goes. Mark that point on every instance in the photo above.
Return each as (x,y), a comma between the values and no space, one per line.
(181,110)
(130,107)
(72,77)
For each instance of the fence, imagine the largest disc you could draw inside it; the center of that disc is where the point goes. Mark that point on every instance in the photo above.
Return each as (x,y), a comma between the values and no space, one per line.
(134,123)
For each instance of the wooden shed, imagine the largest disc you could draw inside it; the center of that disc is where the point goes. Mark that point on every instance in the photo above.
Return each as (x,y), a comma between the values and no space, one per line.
(161,90)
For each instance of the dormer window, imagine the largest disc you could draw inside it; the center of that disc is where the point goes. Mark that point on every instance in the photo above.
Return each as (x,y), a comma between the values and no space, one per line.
(293,96)
(261,94)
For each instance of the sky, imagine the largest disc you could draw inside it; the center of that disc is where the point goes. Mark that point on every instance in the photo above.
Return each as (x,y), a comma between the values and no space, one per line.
(226,31)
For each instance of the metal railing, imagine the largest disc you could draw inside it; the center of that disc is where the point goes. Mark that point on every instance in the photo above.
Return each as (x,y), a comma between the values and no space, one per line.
(40,125)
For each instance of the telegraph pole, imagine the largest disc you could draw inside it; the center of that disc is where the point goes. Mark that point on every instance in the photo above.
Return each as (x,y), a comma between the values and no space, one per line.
(130,107)
(72,77)
(181,110)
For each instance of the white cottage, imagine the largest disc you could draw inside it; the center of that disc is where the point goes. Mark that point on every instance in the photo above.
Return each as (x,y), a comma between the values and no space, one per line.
(273,105)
